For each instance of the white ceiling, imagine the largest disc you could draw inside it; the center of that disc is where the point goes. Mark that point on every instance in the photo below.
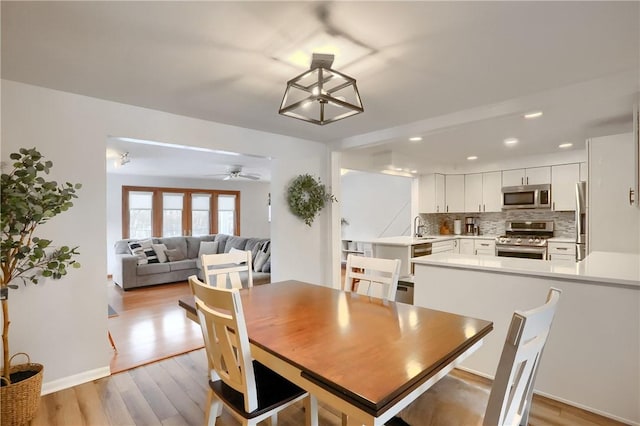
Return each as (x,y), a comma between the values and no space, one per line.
(460,74)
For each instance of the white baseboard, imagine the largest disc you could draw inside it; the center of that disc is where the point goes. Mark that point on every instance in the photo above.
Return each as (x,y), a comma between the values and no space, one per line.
(75,380)
(562,400)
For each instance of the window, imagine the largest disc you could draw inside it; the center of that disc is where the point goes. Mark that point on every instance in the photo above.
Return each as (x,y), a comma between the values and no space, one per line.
(140,218)
(165,212)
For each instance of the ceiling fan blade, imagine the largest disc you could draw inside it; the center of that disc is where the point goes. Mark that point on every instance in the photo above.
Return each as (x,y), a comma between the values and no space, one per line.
(227,177)
(252,177)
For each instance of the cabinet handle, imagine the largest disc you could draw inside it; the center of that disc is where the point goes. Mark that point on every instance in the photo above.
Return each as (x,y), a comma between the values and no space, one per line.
(527,180)
(484,207)
(561,248)
(632,194)
(447,209)
(554,205)
(479,208)
(484,244)
(521,181)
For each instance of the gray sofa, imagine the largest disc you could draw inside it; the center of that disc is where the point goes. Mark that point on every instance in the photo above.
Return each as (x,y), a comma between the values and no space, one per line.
(130,272)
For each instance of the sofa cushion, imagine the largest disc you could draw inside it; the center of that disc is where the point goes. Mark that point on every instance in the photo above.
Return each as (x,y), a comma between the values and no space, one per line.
(235,242)
(206,247)
(181,265)
(263,255)
(222,240)
(173,243)
(153,268)
(193,244)
(174,255)
(160,252)
(144,251)
(253,245)
(122,247)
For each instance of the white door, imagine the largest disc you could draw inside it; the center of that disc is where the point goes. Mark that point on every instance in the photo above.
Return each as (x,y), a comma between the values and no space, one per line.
(440,193)
(538,175)
(454,187)
(513,177)
(614,224)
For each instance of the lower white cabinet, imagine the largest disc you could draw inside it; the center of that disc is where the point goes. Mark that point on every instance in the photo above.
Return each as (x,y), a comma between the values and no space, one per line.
(561,251)
(443,246)
(484,247)
(466,246)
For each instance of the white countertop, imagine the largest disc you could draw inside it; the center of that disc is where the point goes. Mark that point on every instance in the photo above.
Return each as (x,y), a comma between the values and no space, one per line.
(409,241)
(598,267)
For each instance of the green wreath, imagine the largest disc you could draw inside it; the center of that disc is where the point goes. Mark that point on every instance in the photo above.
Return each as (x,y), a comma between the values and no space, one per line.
(306,197)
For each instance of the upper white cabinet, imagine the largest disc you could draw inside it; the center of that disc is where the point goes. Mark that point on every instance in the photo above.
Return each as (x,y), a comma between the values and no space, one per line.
(529,176)
(473,193)
(483,192)
(454,190)
(431,188)
(492,192)
(563,186)
(584,171)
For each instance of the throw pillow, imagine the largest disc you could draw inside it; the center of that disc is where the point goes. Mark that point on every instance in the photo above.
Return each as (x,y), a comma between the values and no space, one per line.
(208,247)
(235,250)
(160,252)
(174,255)
(144,250)
(262,256)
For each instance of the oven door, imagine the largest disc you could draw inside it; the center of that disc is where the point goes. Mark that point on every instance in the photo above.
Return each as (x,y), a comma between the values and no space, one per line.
(522,252)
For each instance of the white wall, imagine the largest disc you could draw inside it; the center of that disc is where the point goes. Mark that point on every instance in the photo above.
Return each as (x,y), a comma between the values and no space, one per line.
(63,324)
(254,220)
(375,205)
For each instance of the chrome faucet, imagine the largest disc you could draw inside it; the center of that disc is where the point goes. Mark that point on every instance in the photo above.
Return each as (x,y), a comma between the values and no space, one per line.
(417,231)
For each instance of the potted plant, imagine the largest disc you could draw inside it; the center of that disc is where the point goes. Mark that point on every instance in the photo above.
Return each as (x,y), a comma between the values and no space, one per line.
(28,200)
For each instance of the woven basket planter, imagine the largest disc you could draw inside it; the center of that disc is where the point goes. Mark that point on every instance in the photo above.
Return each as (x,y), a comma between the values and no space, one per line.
(19,401)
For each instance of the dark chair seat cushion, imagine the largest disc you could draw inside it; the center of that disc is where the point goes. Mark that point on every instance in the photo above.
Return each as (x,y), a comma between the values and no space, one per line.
(272,389)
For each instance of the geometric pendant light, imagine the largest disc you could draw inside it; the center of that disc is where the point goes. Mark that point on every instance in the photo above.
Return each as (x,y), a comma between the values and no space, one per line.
(321,95)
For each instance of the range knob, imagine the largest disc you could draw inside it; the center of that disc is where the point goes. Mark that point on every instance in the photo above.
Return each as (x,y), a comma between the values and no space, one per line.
(538,240)
(530,240)
(519,240)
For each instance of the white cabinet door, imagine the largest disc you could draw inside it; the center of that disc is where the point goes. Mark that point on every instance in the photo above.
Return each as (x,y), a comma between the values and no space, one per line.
(443,247)
(473,193)
(492,192)
(584,171)
(466,246)
(484,247)
(431,190)
(614,224)
(530,176)
(513,177)
(454,188)
(440,193)
(563,186)
(456,245)
(561,251)
(538,175)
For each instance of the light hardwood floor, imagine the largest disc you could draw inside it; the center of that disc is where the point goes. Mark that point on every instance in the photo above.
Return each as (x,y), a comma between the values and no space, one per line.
(173,391)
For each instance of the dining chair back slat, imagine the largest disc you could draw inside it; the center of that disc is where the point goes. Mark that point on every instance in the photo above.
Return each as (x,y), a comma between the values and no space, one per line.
(223,270)
(372,276)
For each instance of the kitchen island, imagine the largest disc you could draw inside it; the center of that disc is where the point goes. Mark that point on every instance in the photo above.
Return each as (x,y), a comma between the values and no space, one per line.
(592,357)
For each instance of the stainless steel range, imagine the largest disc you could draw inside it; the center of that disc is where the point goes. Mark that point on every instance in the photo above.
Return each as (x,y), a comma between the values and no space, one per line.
(525,239)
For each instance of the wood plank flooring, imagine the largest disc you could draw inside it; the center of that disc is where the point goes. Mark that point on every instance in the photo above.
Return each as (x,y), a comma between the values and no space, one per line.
(150,325)
(173,391)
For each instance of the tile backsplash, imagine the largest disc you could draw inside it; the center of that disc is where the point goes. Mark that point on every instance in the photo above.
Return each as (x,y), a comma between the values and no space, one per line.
(493,223)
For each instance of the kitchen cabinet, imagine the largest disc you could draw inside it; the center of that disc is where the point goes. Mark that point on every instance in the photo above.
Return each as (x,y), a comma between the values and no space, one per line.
(443,246)
(529,176)
(456,245)
(483,192)
(484,247)
(473,192)
(584,171)
(492,192)
(432,193)
(466,246)
(563,186)
(454,193)
(613,220)
(558,251)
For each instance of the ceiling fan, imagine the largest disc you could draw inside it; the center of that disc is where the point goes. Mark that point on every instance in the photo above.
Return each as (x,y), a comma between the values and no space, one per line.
(235,172)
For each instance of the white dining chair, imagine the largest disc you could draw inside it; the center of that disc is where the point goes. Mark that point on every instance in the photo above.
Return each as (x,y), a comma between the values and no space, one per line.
(452,401)
(372,276)
(222,270)
(250,391)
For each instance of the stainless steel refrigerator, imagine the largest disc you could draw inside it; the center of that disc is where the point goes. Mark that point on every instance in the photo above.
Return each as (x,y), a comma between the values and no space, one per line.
(581,220)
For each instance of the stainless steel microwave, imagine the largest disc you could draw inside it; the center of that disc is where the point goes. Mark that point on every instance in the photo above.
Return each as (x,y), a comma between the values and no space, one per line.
(526,197)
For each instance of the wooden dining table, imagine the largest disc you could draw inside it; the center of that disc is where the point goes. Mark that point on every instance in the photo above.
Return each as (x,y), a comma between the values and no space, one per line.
(364,356)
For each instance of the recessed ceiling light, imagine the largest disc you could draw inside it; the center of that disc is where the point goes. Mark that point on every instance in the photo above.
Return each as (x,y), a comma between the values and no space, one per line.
(565,145)
(472,157)
(534,114)
(510,141)
(415,139)
(414,171)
